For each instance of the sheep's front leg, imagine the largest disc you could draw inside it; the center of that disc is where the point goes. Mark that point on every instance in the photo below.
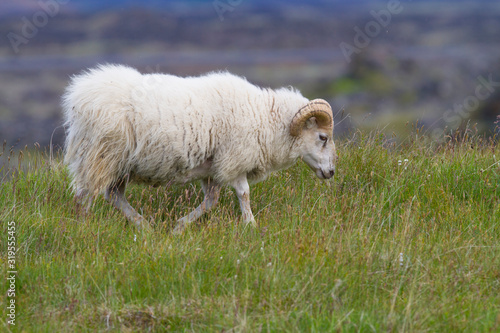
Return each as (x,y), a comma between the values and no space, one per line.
(211,191)
(243,192)
(116,196)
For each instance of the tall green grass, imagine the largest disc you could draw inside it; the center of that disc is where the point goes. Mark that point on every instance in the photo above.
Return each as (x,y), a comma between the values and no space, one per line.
(406,238)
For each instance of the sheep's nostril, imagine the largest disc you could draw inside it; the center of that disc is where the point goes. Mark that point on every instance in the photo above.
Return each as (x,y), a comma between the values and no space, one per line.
(332,172)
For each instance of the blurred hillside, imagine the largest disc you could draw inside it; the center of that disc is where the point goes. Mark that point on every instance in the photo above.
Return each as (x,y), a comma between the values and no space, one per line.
(425,58)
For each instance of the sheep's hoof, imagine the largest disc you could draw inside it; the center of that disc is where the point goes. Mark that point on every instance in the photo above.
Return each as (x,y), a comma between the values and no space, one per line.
(141,223)
(179,228)
(251,223)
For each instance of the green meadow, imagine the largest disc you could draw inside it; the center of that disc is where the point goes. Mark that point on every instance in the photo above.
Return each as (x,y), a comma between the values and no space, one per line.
(406,238)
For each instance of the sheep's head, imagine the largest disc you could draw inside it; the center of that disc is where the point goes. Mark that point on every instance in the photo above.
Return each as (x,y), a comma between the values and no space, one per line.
(313,123)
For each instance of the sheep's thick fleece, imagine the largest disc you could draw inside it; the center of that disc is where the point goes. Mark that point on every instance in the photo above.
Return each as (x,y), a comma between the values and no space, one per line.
(157,128)
(125,126)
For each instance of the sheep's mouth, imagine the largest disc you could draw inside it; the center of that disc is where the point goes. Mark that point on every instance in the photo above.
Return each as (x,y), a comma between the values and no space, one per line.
(322,175)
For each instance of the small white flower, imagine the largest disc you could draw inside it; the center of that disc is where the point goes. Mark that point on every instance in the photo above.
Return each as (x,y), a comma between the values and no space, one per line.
(135,237)
(401,259)
(238,262)
(399,162)
(262,249)
(269,264)
(236,276)
(220,258)
(406,160)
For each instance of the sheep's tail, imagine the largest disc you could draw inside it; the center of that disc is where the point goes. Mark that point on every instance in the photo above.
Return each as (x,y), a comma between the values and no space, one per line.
(95,162)
(100,136)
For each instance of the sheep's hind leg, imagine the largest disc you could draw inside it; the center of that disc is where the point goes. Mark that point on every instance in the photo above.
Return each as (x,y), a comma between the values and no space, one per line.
(83,199)
(115,194)
(211,191)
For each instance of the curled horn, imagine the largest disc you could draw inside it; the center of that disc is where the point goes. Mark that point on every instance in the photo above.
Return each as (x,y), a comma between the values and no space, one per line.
(318,108)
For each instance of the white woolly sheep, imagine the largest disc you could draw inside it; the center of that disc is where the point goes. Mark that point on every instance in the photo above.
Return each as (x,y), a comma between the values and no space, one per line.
(126,126)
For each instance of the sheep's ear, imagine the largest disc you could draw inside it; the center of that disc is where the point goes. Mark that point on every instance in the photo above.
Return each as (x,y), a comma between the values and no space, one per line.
(311,123)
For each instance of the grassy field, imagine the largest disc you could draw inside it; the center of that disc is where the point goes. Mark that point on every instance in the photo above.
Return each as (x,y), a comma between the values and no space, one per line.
(406,238)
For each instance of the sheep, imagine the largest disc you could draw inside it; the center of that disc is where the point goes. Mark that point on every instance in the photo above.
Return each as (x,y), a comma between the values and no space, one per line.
(123,126)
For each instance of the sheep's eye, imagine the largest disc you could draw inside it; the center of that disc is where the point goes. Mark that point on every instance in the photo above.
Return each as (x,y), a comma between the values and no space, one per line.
(323,138)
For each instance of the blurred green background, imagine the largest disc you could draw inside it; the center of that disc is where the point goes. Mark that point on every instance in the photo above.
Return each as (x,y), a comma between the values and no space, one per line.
(382,64)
